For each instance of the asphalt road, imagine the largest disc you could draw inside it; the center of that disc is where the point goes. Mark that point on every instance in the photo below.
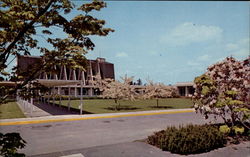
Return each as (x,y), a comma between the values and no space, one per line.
(62,136)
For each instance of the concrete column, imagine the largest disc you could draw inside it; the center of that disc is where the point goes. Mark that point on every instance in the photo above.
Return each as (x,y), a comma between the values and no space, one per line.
(49,98)
(69,102)
(81,101)
(90,92)
(186,91)
(59,93)
(31,105)
(76,92)
(53,96)
(83,78)
(69,91)
(44,99)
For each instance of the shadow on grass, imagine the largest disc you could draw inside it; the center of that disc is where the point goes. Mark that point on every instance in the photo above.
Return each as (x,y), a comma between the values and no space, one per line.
(56,109)
(74,110)
(122,107)
(161,107)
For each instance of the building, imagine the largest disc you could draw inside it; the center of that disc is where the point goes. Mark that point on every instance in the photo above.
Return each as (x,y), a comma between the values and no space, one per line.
(66,81)
(185,88)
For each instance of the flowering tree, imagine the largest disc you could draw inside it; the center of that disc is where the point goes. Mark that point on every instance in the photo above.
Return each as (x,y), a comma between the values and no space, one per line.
(48,26)
(224,90)
(116,90)
(158,90)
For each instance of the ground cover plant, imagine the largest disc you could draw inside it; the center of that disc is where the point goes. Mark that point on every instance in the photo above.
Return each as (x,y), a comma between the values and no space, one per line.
(190,139)
(193,139)
(10,110)
(108,105)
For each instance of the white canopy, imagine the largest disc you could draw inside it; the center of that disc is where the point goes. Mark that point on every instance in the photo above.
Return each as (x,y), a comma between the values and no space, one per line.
(54,83)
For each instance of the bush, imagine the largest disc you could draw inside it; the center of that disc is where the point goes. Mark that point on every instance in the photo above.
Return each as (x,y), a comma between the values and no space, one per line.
(10,143)
(188,140)
(238,130)
(224,129)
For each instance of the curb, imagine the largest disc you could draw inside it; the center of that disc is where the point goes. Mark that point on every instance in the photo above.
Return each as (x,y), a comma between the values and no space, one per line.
(50,119)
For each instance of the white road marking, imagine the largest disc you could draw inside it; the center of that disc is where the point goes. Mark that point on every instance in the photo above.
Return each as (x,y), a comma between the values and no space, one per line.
(74,155)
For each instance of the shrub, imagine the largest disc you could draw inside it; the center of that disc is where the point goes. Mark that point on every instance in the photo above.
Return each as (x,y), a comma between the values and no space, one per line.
(224,129)
(188,140)
(10,143)
(238,130)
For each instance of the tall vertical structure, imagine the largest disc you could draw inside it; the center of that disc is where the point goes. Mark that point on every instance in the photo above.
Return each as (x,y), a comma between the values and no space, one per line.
(62,73)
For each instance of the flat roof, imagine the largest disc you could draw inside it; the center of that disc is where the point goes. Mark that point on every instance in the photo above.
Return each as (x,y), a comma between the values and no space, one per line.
(8,83)
(47,83)
(54,83)
(180,84)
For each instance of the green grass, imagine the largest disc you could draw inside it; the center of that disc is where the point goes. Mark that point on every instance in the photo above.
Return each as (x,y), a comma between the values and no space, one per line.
(10,110)
(109,106)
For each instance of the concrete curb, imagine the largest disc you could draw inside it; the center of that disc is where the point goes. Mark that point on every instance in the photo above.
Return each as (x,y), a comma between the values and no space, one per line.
(48,119)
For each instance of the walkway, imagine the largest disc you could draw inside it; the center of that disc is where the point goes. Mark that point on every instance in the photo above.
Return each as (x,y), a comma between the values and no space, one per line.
(40,109)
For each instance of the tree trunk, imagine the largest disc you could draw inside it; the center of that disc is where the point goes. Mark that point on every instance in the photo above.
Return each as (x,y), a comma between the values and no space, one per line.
(157,103)
(116,106)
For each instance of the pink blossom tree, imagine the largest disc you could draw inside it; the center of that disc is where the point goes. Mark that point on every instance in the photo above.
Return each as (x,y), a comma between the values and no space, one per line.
(224,90)
(158,90)
(117,90)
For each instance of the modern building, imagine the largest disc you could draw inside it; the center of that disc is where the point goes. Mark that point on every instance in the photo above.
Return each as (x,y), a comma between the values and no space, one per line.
(67,81)
(185,88)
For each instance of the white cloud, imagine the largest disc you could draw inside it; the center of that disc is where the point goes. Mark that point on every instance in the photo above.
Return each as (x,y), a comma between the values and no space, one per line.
(239,49)
(192,63)
(121,54)
(153,53)
(231,47)
(241,53)
(205,57)
(187,33)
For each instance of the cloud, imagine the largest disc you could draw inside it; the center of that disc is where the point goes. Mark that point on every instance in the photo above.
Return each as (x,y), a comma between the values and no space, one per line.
(239,49)
(192,63)
(205,57)
(187,33)
(153,53)
(231,47)
(121,54)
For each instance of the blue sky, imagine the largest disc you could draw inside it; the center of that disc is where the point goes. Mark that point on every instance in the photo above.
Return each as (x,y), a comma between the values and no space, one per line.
(168,41)
(171,42)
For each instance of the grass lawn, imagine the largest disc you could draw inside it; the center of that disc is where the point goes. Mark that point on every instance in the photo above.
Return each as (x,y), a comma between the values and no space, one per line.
(109,106)
(10,110)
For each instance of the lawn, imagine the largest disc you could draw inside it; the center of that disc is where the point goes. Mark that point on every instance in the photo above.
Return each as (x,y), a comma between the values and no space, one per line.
(10,110)
(109,106)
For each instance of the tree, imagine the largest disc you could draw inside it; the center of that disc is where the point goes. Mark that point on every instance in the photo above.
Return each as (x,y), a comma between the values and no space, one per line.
(158,90)
(224,90)
(139,82)
(10,143)
(116,90)
(23,22)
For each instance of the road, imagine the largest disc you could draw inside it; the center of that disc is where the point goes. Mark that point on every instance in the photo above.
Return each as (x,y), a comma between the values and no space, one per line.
(62,136)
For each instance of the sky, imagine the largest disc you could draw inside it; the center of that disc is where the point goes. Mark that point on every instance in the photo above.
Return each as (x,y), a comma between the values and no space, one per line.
(169,41)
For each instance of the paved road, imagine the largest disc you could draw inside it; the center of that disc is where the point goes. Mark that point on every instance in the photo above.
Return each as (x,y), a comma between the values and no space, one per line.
(142,149)
(62,136)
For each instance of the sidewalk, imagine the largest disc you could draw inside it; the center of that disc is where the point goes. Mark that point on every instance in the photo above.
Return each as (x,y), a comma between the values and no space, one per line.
(141,149)
(62,118)
(39,109)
